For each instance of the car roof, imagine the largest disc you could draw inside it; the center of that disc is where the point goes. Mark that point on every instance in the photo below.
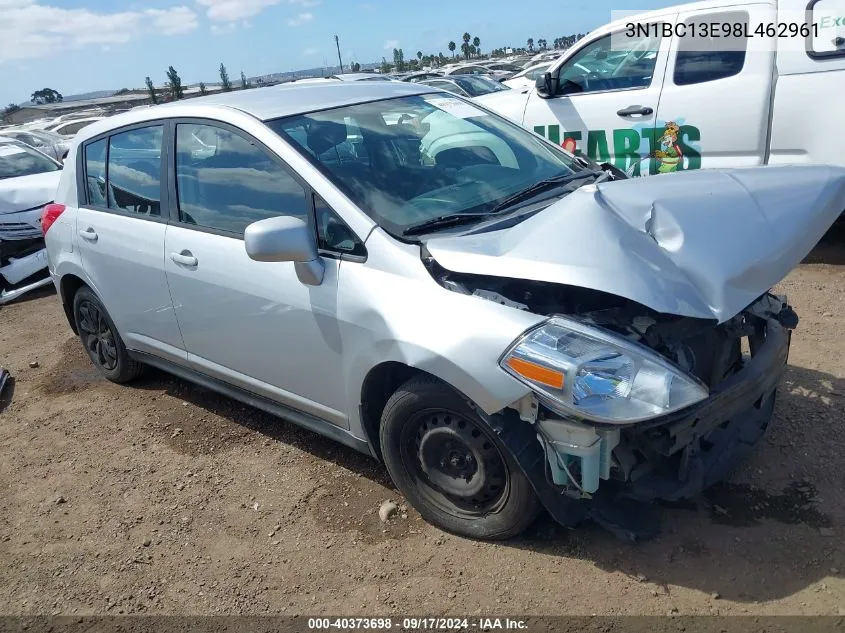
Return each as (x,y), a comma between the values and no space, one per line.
(267,103)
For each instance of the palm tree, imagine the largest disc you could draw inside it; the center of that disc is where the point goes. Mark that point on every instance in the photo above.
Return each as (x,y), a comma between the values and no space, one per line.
(530,43)
(465,50)
(477,43)
(452,48)
(419,56)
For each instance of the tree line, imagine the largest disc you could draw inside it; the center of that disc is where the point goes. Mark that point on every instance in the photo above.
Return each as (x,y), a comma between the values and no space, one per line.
(470,48)
(173,90)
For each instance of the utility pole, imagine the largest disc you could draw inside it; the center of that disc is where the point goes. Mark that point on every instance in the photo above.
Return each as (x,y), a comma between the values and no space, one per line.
(337,43)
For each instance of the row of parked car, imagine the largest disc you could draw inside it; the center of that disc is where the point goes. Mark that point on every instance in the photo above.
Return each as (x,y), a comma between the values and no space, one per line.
(467,79)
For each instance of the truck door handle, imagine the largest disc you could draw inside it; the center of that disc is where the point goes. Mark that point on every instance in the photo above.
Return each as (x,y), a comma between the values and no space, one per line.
(185,258)
(89,234)
(634,110)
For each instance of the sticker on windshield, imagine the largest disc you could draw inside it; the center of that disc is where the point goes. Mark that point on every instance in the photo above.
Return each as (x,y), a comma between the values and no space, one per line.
(456,107)
(11,150)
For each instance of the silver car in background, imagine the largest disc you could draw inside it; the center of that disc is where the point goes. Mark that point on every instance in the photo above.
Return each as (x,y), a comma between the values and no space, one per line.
(49,143)
(508,327)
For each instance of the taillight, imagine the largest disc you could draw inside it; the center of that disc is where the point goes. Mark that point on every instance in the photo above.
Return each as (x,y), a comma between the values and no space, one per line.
(49,215)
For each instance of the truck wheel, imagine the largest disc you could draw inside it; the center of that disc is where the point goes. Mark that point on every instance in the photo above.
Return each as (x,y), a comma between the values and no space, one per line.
(100,338)
(451,466)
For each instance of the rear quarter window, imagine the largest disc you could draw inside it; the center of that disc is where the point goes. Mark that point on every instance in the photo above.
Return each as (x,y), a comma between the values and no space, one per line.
(701,60)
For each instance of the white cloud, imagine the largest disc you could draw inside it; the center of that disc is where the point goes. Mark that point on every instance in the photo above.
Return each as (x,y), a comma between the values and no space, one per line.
(302,18)
(29,29)
(233,10)
(368,6)
(306,3)
(308,52)
(389,45)
(173,21)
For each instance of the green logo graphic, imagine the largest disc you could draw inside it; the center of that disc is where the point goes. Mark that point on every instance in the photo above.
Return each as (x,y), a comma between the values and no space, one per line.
(667,147)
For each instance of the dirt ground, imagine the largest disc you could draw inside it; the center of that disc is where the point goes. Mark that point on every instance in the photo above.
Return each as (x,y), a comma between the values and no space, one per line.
(164,498)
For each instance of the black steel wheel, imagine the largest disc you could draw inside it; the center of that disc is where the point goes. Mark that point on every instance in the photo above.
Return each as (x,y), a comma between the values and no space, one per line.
(451,466)
(101,340)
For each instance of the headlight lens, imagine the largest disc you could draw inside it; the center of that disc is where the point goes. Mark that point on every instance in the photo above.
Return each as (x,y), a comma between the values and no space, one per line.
(579,370)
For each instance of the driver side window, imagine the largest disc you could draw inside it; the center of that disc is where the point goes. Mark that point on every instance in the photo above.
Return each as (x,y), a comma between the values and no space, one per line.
(610,63)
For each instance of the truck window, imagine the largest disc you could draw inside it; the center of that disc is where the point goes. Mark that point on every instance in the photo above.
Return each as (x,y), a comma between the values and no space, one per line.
(601,66)
(827,37)
(707,59)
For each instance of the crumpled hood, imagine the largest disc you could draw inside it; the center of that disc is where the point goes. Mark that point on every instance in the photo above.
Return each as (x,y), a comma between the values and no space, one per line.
(702,243)
(26,192)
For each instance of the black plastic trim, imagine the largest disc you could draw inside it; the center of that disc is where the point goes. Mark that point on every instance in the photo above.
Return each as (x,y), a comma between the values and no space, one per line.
(300,418)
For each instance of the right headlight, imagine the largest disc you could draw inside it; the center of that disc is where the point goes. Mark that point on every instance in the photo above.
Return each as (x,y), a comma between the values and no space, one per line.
(581,371)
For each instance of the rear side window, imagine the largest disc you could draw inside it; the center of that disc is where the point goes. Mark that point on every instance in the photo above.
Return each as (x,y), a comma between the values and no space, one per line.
(226,182)
(700,60)
(826,38)
(134,171)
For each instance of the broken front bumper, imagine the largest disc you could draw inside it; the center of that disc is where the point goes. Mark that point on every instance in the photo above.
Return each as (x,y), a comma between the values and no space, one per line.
(17,273)
(693,449)
(675,456)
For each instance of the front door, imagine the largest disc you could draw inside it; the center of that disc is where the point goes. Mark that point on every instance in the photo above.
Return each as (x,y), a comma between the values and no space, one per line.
(606,100)
(249,323)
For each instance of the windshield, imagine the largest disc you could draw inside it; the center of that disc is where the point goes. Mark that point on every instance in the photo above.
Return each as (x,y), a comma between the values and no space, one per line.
(16,159)
(406,161)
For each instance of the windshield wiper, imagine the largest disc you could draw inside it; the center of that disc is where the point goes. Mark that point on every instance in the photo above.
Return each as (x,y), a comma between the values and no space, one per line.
(544,185)
(453,219)
(442,221)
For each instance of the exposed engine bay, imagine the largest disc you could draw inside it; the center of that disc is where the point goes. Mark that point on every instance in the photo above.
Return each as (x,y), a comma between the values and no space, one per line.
(668,457)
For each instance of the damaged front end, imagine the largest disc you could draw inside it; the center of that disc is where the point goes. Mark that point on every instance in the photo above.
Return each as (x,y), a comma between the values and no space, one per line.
(23,256)
(596,447)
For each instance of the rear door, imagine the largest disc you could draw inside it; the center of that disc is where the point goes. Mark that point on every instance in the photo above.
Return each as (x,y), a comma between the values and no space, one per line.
(121,236)
(735,73)
(607,98)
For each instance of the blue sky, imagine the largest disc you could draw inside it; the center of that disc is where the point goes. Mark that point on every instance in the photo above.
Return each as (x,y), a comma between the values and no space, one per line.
(78,46)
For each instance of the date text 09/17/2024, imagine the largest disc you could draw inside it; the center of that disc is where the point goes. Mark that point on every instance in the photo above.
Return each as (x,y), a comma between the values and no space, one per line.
(417,624)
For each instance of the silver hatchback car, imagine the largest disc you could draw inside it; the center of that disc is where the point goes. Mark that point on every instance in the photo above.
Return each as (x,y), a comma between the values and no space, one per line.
(507,326)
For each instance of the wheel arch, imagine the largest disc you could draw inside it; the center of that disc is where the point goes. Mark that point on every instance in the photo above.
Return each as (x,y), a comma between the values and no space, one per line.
(69,285)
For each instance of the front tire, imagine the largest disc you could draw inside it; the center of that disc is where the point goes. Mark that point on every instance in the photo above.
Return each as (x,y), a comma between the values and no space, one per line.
(451,466)
(100,338)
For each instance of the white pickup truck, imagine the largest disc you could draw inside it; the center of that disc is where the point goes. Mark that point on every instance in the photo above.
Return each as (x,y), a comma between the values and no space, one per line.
(659,101)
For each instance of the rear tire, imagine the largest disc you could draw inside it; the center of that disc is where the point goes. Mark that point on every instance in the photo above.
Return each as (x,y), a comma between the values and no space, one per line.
(101,340)
(451,466)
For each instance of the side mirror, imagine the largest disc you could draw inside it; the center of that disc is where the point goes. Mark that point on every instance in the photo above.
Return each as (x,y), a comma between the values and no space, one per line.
(544,86)
(286,239)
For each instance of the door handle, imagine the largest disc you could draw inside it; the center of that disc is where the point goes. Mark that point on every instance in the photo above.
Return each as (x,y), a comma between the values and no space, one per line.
(635,110)
(89,234)
(185,258)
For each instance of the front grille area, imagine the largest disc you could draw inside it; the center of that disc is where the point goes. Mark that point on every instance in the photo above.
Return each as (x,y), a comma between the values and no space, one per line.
(18,231)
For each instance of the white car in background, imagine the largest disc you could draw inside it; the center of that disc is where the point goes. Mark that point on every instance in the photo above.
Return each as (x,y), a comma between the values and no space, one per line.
(45,142)
(28,181)
(528,77)
(69,127)
(476,69)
